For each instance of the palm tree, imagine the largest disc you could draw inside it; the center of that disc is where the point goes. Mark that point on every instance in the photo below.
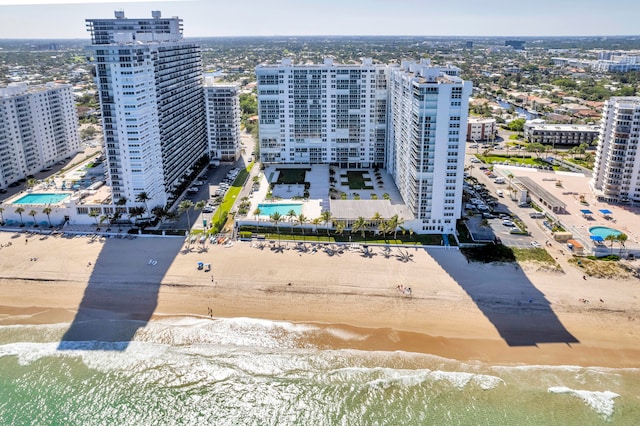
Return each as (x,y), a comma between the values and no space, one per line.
(105,218)
(384,228)
(200,205)
(136,211)
(1,216)
(315,222)
(122,201)
(143,197)
(276,218)
(340,225)
(611,238)
(386,196)
(172,216)
(33,214)
(31,183)
(47,210)
(256,214)
(326,218)
(302,219)
(160,212)
(376,219)
(94,214)
(394,223)
(360,225)
(291,215)
(20,210)
(185,206)
(621,239)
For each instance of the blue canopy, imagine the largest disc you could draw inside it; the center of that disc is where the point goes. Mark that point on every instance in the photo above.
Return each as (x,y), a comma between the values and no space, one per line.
(586,211)
(606,212)
(597,238)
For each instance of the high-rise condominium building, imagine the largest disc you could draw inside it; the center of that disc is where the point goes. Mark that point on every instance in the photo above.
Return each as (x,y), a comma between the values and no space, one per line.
(428,109)
(409,118)
(322,113)
(616,173)
(38,127)
(150,84)
(222,103)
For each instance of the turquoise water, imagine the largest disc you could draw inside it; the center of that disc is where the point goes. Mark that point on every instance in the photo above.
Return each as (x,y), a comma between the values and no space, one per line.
(283,209)
(193,371)
(603,231)
(42,198)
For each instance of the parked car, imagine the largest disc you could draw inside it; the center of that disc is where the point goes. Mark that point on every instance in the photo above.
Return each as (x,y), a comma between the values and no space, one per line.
(508,223)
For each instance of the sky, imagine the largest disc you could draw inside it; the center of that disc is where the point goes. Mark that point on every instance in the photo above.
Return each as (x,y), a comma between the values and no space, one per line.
(33,19)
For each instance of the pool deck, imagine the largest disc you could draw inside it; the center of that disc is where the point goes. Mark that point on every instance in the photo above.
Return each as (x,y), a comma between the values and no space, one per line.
(623,218)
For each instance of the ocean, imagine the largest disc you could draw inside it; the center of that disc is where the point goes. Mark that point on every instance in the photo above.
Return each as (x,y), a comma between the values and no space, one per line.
(196,371)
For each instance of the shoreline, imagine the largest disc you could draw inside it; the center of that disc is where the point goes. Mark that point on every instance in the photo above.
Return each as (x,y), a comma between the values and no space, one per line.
(468,312)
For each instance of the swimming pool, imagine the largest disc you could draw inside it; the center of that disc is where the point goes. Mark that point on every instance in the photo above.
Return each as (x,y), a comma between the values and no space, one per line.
(41,198)
(283,209)
(603,231)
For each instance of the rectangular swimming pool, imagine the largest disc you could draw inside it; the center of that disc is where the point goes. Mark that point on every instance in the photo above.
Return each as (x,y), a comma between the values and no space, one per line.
(282,208)
(41,198)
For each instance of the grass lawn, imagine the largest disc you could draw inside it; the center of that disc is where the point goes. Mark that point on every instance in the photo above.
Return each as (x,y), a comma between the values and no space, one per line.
(223,210)
(580,162)
(357,181)
(291,176)
(515,160)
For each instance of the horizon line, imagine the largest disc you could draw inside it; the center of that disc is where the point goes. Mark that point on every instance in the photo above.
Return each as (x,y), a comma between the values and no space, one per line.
(357,35)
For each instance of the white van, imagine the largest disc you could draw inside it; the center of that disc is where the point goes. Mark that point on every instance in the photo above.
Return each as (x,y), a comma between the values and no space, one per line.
(499,192)
(499,180)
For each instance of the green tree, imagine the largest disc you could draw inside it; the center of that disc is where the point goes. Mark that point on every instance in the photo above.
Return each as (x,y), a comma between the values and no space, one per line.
(47,210)
(160,212)
(517,125)
(326,218)
(292,215)
(622,239)
(256,213)
(143,197)
(360,225)
(184,207)
(276,218)
(301,220)
(20,210)
(394,223)
(33,214)
(316,221)
(94,214)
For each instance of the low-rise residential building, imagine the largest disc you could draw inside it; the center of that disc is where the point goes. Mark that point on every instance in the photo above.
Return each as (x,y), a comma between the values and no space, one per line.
(561,134)
(481,129)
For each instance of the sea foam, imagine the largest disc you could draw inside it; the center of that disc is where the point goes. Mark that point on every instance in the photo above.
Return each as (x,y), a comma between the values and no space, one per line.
(601,402)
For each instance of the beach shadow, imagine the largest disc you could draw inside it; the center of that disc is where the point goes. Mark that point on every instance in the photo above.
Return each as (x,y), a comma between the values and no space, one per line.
(519,311)
(121,294)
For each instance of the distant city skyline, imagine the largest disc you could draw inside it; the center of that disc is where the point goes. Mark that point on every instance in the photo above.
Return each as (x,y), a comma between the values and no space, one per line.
(47,19)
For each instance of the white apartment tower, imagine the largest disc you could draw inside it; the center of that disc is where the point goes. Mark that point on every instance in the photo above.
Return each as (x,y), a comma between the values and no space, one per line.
(322,113)
(616,173)
(38,127)
(222,102)
(428,108)
(150,85)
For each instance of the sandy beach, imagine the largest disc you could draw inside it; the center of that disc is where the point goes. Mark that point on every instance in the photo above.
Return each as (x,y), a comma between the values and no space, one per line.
(500,314)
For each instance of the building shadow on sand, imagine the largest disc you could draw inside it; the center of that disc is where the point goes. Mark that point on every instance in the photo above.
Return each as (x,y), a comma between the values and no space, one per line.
(520,312)
(122,293)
